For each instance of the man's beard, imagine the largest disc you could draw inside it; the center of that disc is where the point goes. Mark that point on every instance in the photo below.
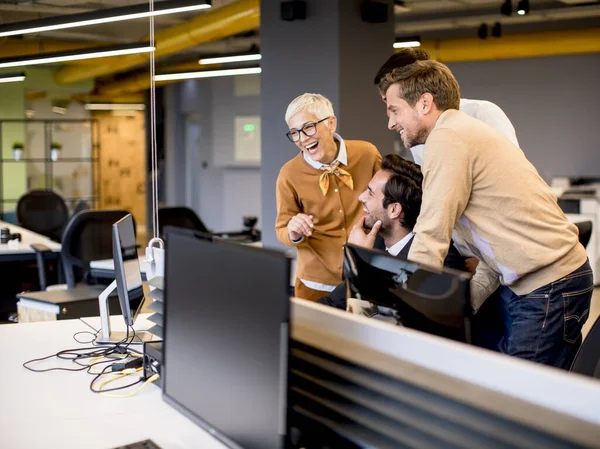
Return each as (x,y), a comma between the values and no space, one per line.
(418,139)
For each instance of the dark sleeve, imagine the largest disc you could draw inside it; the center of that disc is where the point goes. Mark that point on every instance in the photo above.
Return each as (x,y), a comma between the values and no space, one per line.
(337,298)
(454,259)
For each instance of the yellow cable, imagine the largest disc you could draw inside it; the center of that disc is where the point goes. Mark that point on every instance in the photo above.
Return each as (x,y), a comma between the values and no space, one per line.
(129,395)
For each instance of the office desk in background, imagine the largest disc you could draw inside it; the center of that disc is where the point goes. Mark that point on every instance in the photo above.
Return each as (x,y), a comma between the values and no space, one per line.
(58,410)
(14,252)
(105,269)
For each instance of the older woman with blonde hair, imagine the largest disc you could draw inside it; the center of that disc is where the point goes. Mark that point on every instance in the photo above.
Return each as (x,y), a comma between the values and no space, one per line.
(317,193)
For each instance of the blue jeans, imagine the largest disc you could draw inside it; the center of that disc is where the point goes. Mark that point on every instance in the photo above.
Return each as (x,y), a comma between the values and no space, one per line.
(545,325)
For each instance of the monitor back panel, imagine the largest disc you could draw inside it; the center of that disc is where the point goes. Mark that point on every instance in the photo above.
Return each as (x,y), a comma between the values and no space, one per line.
(226,338)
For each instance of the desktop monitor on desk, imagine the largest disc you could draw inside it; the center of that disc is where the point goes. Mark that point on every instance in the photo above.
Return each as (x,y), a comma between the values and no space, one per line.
(436,301)
(128,283)
(226,338)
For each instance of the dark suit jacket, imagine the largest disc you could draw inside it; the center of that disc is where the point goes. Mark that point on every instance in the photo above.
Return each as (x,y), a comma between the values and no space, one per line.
(337,298)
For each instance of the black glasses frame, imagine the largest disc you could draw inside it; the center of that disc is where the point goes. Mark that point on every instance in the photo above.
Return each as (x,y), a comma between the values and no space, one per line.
(303,130)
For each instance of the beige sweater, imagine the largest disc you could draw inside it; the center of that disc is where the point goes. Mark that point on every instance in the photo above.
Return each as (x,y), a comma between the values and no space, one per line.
(483,187)
(321,255)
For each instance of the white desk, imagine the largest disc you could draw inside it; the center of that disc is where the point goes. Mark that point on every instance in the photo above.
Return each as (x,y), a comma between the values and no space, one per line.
(57,409)
(108,265)
(10,250)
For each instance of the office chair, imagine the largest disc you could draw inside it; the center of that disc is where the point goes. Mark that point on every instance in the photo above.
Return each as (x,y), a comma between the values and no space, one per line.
(44,212)
(587,360)
(180,217)
(87,237)
(585,232)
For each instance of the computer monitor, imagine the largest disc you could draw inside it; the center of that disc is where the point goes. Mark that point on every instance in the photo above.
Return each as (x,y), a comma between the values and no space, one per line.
(128,283)
(428,299)
(127,269)
(226,338)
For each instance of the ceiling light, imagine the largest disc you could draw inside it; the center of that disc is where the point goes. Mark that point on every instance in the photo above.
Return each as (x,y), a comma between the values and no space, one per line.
(12,77)
(102,16)
(100,52)
(226,59)
(59,110)
(506,8)
(115,107)
(206,74)
(407,43)
(523,7)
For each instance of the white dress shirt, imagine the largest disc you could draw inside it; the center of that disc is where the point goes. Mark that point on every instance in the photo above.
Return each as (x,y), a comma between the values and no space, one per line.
(487,112)
(395,249)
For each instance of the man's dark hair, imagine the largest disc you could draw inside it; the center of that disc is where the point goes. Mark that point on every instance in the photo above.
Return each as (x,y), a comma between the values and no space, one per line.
(400,59)
(404,187)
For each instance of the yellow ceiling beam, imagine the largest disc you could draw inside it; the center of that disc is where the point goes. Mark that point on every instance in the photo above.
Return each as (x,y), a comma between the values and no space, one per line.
(238,17)
(510,46)
(14,48)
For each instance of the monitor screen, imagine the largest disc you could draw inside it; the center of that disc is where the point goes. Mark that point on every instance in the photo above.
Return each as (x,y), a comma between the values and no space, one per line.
(127,269)
(226,338)
(432,300)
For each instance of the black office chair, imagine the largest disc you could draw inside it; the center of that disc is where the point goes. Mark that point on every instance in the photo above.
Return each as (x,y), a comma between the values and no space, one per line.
(87,237)
(180,217)
(585,232)
(44,212)
(587,360)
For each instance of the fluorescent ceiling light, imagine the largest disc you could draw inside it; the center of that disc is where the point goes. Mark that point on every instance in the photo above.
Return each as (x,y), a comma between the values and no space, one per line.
(91,53)
(59,110)
(226,59)
(12,77)
(115,107)
(206,74)
(407,44)
(102,16)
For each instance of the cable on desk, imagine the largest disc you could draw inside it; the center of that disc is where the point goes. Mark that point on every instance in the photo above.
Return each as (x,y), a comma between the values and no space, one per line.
(93,334)
(75,354)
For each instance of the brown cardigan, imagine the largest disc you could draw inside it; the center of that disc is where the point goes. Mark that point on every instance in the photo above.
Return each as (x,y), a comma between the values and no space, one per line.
(320,256)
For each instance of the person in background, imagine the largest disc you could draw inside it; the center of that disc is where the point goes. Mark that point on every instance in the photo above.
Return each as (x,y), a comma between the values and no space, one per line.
(479,185)
(483,110)
(391,204)
(316,193)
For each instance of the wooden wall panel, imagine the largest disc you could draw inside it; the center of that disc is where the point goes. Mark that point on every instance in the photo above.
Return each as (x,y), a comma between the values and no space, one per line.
(123,163)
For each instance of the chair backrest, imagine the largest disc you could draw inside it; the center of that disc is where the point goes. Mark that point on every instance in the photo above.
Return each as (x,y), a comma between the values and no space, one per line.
(44,212)
(587,360)
(181,217)
(87,237)
(585,232)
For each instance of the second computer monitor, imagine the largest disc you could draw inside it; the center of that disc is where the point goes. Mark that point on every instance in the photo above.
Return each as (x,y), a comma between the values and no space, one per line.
(127,269)
(226,338)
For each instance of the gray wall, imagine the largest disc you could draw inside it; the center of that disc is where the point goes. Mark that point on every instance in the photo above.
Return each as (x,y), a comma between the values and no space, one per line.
(226,192)
(552,103)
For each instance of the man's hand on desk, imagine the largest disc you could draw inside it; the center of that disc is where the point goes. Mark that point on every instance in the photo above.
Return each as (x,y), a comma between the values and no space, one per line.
(359,237)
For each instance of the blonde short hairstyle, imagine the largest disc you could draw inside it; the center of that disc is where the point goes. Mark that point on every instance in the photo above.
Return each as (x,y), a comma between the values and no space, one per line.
(316,104)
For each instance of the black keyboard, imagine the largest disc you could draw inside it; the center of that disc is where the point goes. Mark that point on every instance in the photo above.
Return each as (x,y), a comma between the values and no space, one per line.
(146,444)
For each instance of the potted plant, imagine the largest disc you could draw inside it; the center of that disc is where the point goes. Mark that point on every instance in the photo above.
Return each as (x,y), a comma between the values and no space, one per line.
(18,148)
(55,148)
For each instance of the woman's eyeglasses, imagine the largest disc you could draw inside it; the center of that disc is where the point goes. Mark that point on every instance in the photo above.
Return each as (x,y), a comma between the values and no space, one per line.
(309,129)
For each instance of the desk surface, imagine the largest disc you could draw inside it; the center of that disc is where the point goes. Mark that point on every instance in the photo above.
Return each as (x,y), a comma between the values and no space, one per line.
(27,238)
(57,409)
(109,264)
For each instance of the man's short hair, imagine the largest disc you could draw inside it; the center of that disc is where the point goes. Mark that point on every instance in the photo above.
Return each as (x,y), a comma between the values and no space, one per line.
(404,186)
(316,104)
(423,77)
(400,59)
